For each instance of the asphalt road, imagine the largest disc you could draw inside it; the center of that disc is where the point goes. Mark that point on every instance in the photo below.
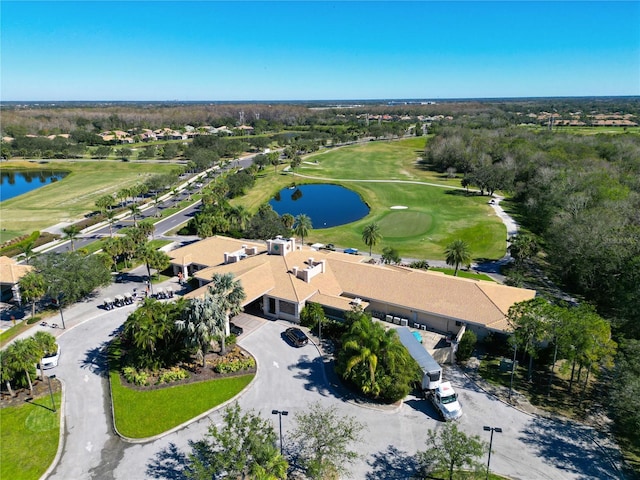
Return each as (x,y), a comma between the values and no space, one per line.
(289,379)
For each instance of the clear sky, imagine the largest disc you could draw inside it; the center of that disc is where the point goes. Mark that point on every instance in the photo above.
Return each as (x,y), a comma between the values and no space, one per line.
(199,50)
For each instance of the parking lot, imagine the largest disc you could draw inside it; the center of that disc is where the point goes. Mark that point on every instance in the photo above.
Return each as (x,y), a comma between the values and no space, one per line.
(291,378)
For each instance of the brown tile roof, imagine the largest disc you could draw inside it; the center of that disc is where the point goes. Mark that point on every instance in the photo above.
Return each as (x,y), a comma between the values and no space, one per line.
(346,277)
(11,272)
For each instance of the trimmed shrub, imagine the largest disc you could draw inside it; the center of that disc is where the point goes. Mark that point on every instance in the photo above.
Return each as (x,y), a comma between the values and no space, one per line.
(466,346)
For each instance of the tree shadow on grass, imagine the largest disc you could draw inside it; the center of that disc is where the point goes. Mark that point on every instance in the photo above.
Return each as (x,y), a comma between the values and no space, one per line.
(169,463)
(572,447)
(393,464)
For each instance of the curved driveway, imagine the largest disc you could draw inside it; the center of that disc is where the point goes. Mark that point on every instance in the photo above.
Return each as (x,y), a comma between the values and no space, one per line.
(288,379)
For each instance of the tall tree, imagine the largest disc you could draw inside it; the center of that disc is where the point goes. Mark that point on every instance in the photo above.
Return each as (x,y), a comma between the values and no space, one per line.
(72,275)
(450,449)
(371,235)
(230,296)
(71,233)
(288,220)
(32,288)
(27,250)
(375,360)
(529,321)
(200,323)
(326,441)
(7,372)
(242,447)
(45,344)
(457,253)
(135,211)
(22,355)
(152,258)
(152,331)
(302,226)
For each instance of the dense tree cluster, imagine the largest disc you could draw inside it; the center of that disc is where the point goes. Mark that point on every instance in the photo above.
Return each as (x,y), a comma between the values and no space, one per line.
(374,360)
(70,277)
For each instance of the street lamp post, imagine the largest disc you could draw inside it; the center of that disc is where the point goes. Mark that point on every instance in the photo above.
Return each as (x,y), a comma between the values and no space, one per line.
(49,377)
(280,413)
(58,301)
(490,429)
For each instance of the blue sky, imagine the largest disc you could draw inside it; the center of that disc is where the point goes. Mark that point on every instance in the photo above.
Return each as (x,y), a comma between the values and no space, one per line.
(197,50)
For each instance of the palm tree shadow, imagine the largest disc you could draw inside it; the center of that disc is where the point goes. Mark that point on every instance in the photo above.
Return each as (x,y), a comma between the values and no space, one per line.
(169,463)
(393,464)
(96,359)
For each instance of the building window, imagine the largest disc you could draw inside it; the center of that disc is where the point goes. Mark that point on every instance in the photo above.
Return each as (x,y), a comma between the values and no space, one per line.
(287,307)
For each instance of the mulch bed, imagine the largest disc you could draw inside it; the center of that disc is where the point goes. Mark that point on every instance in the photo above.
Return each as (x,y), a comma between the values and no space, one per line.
(40,389)
(197,373)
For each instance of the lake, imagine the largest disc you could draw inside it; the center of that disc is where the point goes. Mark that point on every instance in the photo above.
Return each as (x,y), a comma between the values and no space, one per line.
(18,182)
(326,205)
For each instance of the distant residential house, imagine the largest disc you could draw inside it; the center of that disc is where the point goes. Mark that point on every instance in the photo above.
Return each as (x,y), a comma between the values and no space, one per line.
(116,136)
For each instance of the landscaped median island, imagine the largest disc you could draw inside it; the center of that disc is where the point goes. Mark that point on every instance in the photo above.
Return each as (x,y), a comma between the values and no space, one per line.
(145,413)
(174,394)
(174,361)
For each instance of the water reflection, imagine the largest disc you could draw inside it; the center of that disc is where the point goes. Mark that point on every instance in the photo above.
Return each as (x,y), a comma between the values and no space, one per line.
(18,182)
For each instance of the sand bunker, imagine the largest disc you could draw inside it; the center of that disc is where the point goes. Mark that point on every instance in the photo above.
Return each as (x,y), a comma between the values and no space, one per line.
(398,207)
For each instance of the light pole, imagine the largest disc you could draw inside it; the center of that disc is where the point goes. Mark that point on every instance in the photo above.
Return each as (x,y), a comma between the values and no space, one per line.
(280,413)
(513,368)
(490,429)
(49,377)
(58,301)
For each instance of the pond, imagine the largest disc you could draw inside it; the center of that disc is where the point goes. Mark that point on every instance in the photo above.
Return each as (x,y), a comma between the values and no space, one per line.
(326,205)
(17,182)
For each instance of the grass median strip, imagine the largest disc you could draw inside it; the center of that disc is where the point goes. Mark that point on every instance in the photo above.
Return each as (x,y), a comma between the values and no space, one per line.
(145,413)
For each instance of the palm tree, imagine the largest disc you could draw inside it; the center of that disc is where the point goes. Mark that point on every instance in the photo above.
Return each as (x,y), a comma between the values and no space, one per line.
(303,225)
(371,235)
(32,288)
(288,220)
(146,328)
(113,248)
(135,210)
(457,253)
(231,295)
(240,217)
(146,228)
(71,233)
(46,343)
(111,218)
(27,249)
(367,346)
(6,372)
(23,355)
(201,321)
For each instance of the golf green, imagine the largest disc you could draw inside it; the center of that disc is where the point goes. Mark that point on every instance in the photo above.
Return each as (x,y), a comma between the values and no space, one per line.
(405,223)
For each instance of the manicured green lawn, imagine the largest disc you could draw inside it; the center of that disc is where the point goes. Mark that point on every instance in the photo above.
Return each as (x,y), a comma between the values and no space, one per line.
(434,216)
(463,274)
(141,414)
(28,438)
(75,195)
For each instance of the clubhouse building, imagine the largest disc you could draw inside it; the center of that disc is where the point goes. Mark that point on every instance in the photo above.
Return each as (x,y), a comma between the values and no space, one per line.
(279,277)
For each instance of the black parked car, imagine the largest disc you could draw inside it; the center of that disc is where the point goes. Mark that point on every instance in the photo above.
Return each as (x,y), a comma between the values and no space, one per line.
(296,336)
(235,329)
